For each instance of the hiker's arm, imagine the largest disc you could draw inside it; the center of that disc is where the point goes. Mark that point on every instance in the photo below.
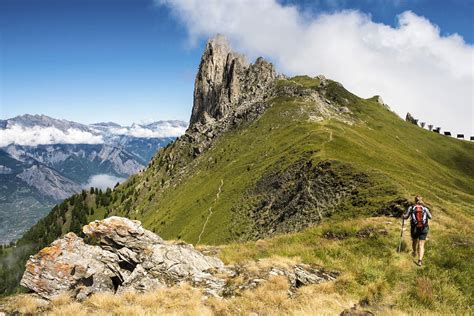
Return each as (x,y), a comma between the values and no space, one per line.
(407,213)
(428,213)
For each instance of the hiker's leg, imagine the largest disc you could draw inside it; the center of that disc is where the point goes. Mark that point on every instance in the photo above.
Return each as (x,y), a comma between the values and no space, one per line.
(414,244)
(422,249)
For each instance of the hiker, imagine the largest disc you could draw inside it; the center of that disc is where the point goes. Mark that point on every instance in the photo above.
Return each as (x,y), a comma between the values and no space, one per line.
(419,215)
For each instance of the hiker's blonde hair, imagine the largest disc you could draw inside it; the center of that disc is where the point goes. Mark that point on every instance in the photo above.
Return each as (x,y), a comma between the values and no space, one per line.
(418,199)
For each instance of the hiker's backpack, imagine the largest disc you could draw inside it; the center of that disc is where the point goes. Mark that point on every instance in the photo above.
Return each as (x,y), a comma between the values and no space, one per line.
(418,216)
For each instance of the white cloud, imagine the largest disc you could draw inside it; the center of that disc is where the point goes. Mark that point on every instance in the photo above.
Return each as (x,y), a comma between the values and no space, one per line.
(412,66)
(38,135)
(158,130)
(103,181)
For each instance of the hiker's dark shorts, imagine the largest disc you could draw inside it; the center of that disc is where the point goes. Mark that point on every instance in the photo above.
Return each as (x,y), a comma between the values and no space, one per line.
(419,233)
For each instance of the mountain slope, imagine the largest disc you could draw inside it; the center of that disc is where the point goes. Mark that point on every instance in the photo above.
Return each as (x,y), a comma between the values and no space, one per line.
(393,159)
(311,168)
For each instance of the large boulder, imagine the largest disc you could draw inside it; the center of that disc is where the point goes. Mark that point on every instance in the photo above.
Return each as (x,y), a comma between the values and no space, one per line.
(119,255)
(68,263)
(123,255)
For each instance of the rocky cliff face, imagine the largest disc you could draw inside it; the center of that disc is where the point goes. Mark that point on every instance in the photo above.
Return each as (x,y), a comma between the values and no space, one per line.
(225,80)
(49,182)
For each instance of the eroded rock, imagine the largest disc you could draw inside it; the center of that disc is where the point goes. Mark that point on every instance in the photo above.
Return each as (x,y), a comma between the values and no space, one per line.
(127,257)
(225,79)
(410,119)
(124,256)
(70,263)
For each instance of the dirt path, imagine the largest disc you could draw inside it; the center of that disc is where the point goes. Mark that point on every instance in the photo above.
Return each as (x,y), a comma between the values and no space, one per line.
(210,211)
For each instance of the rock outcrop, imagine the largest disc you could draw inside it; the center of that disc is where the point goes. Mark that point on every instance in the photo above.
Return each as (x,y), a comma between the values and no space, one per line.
(302,195)
(225,81)
(127,257)
(118,254)
(410,119)
(381,102)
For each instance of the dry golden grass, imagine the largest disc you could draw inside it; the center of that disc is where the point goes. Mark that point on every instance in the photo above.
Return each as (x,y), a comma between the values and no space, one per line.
(72,308)
(270,298)
(28,304)
(61,299)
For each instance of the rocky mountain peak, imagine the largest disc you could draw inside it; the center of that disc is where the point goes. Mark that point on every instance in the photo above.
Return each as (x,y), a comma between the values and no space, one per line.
(225,79)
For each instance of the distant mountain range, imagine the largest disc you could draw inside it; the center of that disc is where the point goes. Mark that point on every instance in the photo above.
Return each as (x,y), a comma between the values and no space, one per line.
(44,160)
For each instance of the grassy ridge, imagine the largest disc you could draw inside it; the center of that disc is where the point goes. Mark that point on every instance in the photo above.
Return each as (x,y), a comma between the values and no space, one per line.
(405,159)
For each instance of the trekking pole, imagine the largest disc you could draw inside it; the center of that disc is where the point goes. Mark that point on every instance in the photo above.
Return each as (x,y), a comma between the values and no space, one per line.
(399,249)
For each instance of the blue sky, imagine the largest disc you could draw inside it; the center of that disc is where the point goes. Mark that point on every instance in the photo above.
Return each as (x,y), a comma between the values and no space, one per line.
(132,60)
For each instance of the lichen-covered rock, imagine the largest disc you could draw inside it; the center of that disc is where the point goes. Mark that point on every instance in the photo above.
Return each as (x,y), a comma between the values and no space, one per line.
(127,257)
(124,256)
(68,263)
(121,235)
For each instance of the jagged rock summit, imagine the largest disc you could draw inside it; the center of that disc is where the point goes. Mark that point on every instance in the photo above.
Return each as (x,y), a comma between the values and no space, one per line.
(119,255)
(225,80)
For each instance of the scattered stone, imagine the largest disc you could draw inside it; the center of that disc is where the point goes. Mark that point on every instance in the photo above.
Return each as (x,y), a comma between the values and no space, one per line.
(336,236)
(365,233)
(355,311)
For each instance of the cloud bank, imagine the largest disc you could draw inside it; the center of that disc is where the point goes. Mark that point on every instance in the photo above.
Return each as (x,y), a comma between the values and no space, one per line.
(412,66)
(103,181)
(156,130)
(38,135)
(24,133)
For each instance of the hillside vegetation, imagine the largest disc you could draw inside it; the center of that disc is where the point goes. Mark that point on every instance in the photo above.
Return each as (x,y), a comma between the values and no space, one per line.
(297,184)
(393,159)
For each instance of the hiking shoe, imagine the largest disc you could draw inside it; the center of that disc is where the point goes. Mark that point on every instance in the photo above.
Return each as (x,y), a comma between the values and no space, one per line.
(413,254)
(420,262)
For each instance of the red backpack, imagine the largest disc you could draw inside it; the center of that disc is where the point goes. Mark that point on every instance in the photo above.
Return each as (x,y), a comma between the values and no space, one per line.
(418,217)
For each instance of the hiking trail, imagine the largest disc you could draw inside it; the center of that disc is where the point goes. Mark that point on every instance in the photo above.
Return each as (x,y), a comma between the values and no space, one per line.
(210,211)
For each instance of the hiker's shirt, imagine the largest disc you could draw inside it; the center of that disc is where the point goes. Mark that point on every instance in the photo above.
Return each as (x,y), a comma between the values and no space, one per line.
(410,213)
